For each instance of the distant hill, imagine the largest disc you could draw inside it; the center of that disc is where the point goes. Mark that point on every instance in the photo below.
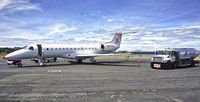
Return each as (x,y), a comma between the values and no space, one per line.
(137,52)
(8,50)
(143,52)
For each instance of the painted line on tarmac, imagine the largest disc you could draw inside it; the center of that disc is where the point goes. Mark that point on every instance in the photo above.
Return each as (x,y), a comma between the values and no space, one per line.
(54,71)
(9,71)
(176,100)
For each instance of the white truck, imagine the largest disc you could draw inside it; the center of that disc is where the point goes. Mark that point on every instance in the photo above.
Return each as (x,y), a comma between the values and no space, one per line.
(174,57)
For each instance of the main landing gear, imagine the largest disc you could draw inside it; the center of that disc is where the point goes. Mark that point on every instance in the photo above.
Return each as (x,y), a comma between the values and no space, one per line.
(92,60)
(79,61)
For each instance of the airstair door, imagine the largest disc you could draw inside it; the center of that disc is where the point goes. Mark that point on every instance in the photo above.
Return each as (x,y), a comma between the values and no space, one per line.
(39,50)
(40,54)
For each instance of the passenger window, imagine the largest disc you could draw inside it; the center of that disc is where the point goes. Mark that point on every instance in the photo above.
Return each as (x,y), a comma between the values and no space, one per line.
(31,48)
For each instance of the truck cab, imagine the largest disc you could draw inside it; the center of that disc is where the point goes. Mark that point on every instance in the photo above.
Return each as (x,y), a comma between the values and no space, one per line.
(175,57)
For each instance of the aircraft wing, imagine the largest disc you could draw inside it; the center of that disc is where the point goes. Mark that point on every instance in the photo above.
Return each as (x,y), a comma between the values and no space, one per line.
(95,55)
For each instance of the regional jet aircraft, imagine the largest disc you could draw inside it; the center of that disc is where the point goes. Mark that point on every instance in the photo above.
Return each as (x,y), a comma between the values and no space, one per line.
(77,52)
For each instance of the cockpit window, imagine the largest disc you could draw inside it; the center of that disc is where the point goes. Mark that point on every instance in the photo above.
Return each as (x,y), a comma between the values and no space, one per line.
(31,48)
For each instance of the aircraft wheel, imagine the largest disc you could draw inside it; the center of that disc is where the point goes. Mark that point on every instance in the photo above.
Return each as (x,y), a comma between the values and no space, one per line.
(55,59)
(79,61)
(36,61)
(19,65)
(92,60)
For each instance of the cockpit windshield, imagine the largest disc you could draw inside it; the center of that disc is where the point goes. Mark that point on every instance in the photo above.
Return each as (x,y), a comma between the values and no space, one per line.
(31,48)
(28,47)
(163,52)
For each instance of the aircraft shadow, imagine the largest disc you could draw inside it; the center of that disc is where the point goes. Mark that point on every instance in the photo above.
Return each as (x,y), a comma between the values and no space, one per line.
(179,68)
(109,63)
(99,63)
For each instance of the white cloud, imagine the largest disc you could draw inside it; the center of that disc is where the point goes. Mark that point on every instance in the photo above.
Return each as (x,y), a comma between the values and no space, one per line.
(4,3)
(148,33)
(136,28)
(21,33)
(193,26)
(17,5)
(110,20)
(12,30)
(144,39)
(154,38)
(182,31)
(61,28)
(147,42)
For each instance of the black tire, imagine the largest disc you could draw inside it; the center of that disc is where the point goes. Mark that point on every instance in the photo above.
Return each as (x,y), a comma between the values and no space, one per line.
(174,65)
(55,59)
(19,65)
(80,61)
(169,65)
(94,62)
(36,61)
(192,63)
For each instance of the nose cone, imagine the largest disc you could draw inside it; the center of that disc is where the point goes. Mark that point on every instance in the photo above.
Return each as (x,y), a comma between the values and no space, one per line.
(11,56)
(16,55)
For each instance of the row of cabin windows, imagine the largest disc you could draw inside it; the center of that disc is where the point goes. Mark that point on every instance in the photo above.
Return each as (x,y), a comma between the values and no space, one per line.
(71,48)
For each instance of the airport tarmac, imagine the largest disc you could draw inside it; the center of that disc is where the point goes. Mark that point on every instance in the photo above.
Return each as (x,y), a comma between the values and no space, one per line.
(107,81)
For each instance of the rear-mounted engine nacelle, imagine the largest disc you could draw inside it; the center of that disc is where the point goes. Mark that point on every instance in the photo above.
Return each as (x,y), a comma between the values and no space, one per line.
(102,46)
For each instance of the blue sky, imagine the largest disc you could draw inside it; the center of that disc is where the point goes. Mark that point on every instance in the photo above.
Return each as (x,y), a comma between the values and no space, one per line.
(158,23)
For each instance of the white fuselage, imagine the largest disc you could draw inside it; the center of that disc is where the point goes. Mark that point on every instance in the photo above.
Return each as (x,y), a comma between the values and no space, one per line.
(60,51)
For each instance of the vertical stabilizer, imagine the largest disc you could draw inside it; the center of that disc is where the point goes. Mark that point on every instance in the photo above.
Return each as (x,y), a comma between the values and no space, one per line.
(117,39)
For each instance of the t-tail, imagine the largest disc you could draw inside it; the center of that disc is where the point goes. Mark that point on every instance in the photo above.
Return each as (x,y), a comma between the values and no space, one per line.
(117,39)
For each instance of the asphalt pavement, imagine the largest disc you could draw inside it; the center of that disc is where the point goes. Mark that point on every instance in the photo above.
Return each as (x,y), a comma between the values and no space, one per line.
(113,80)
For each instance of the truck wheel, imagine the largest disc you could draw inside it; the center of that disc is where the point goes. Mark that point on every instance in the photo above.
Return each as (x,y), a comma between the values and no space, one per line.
(174,65)
(169,65)
(192,63)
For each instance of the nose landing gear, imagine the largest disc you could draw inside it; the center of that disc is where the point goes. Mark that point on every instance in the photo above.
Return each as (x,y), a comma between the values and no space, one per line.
(15,62)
